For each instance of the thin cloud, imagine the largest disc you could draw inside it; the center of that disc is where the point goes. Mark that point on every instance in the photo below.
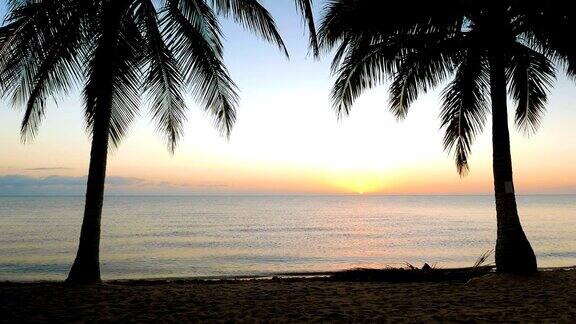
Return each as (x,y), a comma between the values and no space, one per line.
(22,184)
(47,169)
(19,183)
(187,185)
(212,185)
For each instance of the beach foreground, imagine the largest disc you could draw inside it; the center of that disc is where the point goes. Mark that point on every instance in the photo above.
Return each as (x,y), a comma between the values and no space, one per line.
(549,296)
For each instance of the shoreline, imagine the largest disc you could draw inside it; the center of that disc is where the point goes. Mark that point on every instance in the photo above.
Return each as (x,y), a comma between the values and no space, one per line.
(301,275)
(547,296)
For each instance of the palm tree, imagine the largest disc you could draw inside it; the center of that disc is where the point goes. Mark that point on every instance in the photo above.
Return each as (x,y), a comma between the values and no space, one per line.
(486,49)
(118,50)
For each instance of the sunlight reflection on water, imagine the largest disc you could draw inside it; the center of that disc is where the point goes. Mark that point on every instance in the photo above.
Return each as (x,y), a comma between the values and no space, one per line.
(238,235)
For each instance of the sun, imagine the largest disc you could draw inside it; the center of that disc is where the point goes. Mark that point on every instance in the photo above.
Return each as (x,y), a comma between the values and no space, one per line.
(359,183)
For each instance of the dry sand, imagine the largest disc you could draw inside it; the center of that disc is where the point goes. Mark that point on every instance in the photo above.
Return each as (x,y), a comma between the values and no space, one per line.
(548,297)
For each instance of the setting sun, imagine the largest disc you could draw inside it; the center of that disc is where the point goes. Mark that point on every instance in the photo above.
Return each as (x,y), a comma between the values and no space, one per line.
(360,182)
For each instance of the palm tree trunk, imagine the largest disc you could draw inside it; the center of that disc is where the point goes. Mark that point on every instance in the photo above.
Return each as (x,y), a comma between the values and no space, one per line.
(513,251)
(86,267)
(100,89)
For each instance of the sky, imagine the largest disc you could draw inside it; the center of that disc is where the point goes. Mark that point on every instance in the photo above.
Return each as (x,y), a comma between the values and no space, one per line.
(287,139)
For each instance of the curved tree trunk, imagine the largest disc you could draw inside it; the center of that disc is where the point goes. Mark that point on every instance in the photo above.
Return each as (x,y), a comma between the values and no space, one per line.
(86,267)
(99,93)
(513,251)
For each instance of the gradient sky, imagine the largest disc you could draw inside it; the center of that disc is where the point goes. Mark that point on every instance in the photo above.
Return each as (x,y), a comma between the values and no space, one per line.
(287,139)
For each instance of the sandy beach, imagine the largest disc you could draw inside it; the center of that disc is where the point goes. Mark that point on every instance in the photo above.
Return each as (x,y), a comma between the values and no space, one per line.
(549,296)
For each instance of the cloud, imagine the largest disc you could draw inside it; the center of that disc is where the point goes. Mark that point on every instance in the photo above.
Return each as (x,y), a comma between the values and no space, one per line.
(21,184)
(18,180)
(56,184)
(124,181)
(47,169)
(212,185)
(169,184)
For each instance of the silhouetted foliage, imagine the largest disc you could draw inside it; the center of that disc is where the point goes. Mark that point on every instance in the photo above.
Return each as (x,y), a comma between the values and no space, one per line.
(479,48)
(418,45)
(118,51)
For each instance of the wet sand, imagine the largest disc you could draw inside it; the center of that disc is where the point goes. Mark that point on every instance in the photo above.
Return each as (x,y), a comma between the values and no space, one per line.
(550,296)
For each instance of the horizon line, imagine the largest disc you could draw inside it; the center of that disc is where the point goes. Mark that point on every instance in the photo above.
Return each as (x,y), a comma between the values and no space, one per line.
(292,195)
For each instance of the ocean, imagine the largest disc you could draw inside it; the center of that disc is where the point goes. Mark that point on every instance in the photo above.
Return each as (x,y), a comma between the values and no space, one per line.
(205,236)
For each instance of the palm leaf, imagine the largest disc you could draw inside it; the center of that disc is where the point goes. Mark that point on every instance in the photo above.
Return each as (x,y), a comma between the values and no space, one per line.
(464,108)
(544,26)
(530,75)
(253,16)
(423,68)
(113,87)
(39,55)
(305,8)
(163,80)
(196,41)
(347,19)
(363,67)
(22,48)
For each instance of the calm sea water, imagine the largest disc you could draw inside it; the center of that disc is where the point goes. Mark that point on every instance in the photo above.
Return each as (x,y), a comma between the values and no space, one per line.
(241,235)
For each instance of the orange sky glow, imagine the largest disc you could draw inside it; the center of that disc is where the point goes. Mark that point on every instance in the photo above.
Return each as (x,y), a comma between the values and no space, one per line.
(288,141)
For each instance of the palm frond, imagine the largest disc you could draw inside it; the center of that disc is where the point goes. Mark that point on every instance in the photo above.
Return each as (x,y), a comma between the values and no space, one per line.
(254,17)
(305,8)
(10,57)
(163,81)
(363,67)
(544,25)
(344,19)
(378,40)
(335,22)
(339,55)
(423,68)
(39,55)
(113,87)
(415,62)
(22,48)
(58,71)
(192,14)
(481,261)
(464,108)
(195,39)
(530,75)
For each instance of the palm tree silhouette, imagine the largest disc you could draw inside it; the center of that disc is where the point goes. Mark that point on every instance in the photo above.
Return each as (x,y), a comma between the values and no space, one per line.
(487,48)
(119,50)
